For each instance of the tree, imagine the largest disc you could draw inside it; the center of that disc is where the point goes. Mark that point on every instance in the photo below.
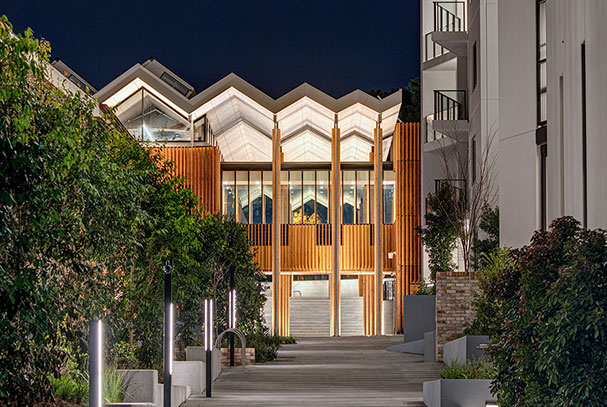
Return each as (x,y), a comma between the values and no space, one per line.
(438,235)
(471,180)
(550,304)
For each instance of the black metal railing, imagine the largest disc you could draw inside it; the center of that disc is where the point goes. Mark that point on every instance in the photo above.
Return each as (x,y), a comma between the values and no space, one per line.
(432,49)
(450,16)
(450,105)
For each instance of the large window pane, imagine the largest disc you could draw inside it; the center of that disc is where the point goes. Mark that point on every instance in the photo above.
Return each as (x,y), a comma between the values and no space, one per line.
(295,196)
(362,196)
(256,198)
(388,197)
(129,114)
(161,123)
(322,196)
(309,197)
(267,196)
(348,190)
(229,193)
(242,197)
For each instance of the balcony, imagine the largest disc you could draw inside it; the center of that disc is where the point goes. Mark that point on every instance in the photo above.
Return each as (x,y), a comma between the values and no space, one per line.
(450,116)
(450,27)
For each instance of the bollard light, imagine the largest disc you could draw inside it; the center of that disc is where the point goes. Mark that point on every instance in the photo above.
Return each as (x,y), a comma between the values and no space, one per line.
(208,342)
(168,332)
(232,320)
(96,363)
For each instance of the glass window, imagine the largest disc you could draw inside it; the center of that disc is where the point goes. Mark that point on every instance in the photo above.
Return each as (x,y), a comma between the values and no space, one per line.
(348,190)
(388,197)
(362,197)
(242,197)
(228,193)
(161,123)
(322,196)
(256,197)
(309,197)
(129,114)
(295,196)
(267,196)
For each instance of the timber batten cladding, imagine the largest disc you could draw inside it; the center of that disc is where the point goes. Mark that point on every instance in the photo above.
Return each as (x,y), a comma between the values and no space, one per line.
(329,189)
(200,167)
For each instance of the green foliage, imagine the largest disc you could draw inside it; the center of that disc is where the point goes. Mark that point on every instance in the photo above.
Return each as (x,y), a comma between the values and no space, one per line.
(73,389)
(287,340)
(551,302)
(425,289)
(489,310)
(439,235)
(114,386)
(266,345)
(87,217)
(122,355)
(476,369)
(490,224)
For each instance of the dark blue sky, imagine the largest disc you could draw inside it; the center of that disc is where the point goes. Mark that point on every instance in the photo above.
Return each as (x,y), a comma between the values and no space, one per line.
(336,46)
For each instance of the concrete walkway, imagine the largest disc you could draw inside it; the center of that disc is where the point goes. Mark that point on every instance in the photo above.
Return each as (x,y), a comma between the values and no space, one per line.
(348,371)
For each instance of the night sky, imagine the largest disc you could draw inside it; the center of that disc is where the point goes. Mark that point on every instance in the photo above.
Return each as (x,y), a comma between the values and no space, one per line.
(337,46)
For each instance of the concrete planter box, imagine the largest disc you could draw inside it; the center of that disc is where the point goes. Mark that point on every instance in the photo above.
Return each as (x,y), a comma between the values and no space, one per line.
(430,346)
(464,348)
(191,373)
(419,316)
(143,389)
(457,393)
(197,353)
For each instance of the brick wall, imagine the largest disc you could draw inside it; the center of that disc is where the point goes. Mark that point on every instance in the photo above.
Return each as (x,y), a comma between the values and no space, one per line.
(249,355)
(454,292)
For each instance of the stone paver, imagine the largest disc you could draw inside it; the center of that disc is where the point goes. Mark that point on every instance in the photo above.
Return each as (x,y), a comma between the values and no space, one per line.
(347,371)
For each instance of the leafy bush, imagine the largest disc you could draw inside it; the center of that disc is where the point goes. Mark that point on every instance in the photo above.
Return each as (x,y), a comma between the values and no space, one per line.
(74,389)
(287,340)
(266,345)
(551,302)
(490,224)
(425,289)
(439,235)
(477,369)
(489,312)
(122,355)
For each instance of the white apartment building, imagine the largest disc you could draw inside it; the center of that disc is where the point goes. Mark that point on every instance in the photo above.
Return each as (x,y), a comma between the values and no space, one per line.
(459,87)
(553,99)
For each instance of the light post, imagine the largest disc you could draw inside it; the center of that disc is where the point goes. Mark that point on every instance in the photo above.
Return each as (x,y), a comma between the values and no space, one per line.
(96,363)
(168,331)
(208,342)
(232,314)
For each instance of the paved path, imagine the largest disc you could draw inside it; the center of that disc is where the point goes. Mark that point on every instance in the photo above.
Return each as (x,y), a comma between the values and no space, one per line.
(349,371)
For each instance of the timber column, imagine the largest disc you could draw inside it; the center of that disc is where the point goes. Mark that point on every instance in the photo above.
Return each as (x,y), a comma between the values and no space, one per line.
(335,278)
(276,230)
(379,224)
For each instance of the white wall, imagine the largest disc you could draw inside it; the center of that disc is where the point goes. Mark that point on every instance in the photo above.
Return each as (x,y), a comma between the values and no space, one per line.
(569,24)
(517,169)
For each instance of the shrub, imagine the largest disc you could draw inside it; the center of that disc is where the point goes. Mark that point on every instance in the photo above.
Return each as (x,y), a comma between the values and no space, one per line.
(477,369)
(551,349)
(489,312)
(287,340)
(114,386)
(425,289)
(74,389)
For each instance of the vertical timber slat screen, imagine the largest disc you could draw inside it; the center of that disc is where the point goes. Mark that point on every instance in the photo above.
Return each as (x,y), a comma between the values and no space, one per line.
(201,168)
(407,166)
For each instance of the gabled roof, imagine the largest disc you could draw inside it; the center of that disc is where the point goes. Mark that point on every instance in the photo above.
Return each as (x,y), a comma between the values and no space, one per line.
(242,116)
